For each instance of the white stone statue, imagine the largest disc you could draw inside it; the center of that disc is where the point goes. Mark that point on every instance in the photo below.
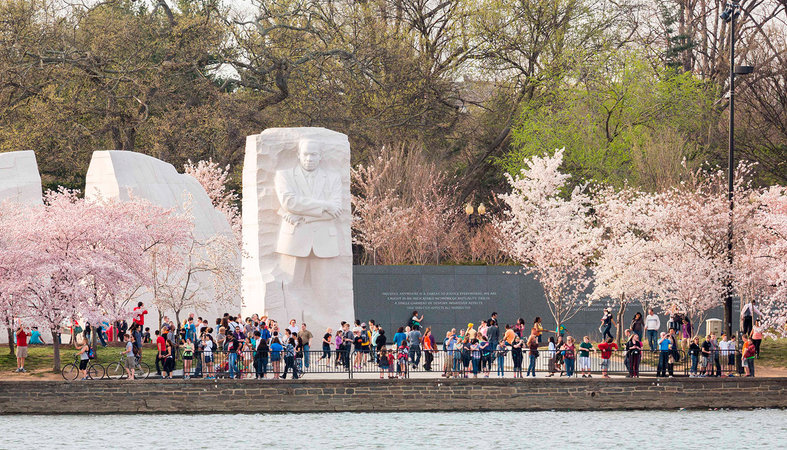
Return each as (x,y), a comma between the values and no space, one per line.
(296,226)
(19,178)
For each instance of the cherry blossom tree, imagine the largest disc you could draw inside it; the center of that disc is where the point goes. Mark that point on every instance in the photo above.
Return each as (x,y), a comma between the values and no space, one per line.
(691,231)
(770,261)
(12,214)
(377,217)
(213,179)
(78,257)
(551,233)
(624,261)
(403,209)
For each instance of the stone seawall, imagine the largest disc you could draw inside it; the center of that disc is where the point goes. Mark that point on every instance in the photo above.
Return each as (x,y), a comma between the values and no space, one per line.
(250,396)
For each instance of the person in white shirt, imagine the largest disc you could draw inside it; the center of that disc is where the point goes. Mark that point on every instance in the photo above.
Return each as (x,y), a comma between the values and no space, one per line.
(652,326)
(748,314)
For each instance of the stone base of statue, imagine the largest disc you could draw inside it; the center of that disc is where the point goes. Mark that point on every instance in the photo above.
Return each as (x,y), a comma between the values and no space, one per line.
(296,227)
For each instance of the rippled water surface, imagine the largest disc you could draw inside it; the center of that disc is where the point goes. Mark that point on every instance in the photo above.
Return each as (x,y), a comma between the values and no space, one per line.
(485,430)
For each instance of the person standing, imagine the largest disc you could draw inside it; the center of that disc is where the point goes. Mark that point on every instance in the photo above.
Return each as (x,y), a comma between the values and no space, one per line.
(714,352)
(428,347)
(500,354)
(532,345)
(306,337)
(749,353)
(276,349)
(517,356)
(139,317)
(748,314)
(606,322)
(188,356)
(634,353)
(375,330)
(414,342)
(756,337)
(652,327)
(207,355)
(685,333)
(22,334)
(289,359)
(552,355)
(638,325)
(569,354)
(694,354)
(161,350)
(131,361)
(664,354)
(538,329)
(261,356)
(493,333)
(169,359)
(584,357)
(326,345)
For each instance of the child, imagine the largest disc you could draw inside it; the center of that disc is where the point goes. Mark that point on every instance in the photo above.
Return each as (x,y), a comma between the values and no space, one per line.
(391,363)
(584,357)
(606,354)
(188,355)
(501,357)
(146,336)
(383,363)
(731,347)
(749,353)
(131,361)
(338,343)
(694,353)
(401,365)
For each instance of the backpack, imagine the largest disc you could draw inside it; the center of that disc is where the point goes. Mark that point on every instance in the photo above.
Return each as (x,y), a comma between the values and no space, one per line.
(750,351)
(91,353)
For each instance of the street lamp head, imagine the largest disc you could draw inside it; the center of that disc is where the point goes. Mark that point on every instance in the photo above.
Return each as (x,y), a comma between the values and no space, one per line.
(743,70)
(468,209)
(730,12)
(481,209)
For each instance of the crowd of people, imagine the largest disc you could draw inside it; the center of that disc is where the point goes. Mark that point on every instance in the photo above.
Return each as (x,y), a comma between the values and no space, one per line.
(259,347)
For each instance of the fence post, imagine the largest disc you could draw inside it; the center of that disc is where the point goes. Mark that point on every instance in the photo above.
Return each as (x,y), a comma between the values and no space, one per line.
(350,356)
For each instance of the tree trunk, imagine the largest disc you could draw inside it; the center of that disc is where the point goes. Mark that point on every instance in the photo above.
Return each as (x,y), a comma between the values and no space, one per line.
(619,325)
(10,325)
(56,350)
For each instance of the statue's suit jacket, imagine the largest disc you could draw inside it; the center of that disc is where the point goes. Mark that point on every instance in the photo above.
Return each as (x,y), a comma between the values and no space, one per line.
(317,232)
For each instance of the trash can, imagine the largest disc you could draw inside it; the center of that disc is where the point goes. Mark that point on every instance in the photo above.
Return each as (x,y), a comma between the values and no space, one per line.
(713,326)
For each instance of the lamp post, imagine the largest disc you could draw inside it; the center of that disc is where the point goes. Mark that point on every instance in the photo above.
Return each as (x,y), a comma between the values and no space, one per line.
(474,216)
(731,12)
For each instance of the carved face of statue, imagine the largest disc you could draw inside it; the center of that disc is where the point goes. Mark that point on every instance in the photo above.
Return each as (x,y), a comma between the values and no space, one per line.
(309,155)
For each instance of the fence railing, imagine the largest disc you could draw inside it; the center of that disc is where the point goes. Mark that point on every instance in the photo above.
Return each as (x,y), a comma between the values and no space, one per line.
(250,364)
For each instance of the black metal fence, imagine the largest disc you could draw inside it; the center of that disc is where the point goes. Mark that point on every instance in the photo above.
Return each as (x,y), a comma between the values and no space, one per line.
(250,364)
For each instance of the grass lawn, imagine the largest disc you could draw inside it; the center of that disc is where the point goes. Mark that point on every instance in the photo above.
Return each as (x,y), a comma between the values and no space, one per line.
(773,352)
(40,357)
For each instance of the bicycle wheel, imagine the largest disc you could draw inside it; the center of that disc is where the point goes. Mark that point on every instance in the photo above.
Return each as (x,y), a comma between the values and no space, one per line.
(95,371)
(116,371)
(142,370)
(70,372)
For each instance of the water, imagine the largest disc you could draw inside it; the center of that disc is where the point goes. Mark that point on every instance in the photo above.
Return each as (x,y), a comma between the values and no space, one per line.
(553,430)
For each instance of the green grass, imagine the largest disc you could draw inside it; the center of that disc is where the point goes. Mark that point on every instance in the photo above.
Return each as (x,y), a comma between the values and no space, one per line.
(41,357)
(773,352)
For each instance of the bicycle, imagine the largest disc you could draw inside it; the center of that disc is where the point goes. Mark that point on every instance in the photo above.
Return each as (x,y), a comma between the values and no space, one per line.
(70,372)
(117,370)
